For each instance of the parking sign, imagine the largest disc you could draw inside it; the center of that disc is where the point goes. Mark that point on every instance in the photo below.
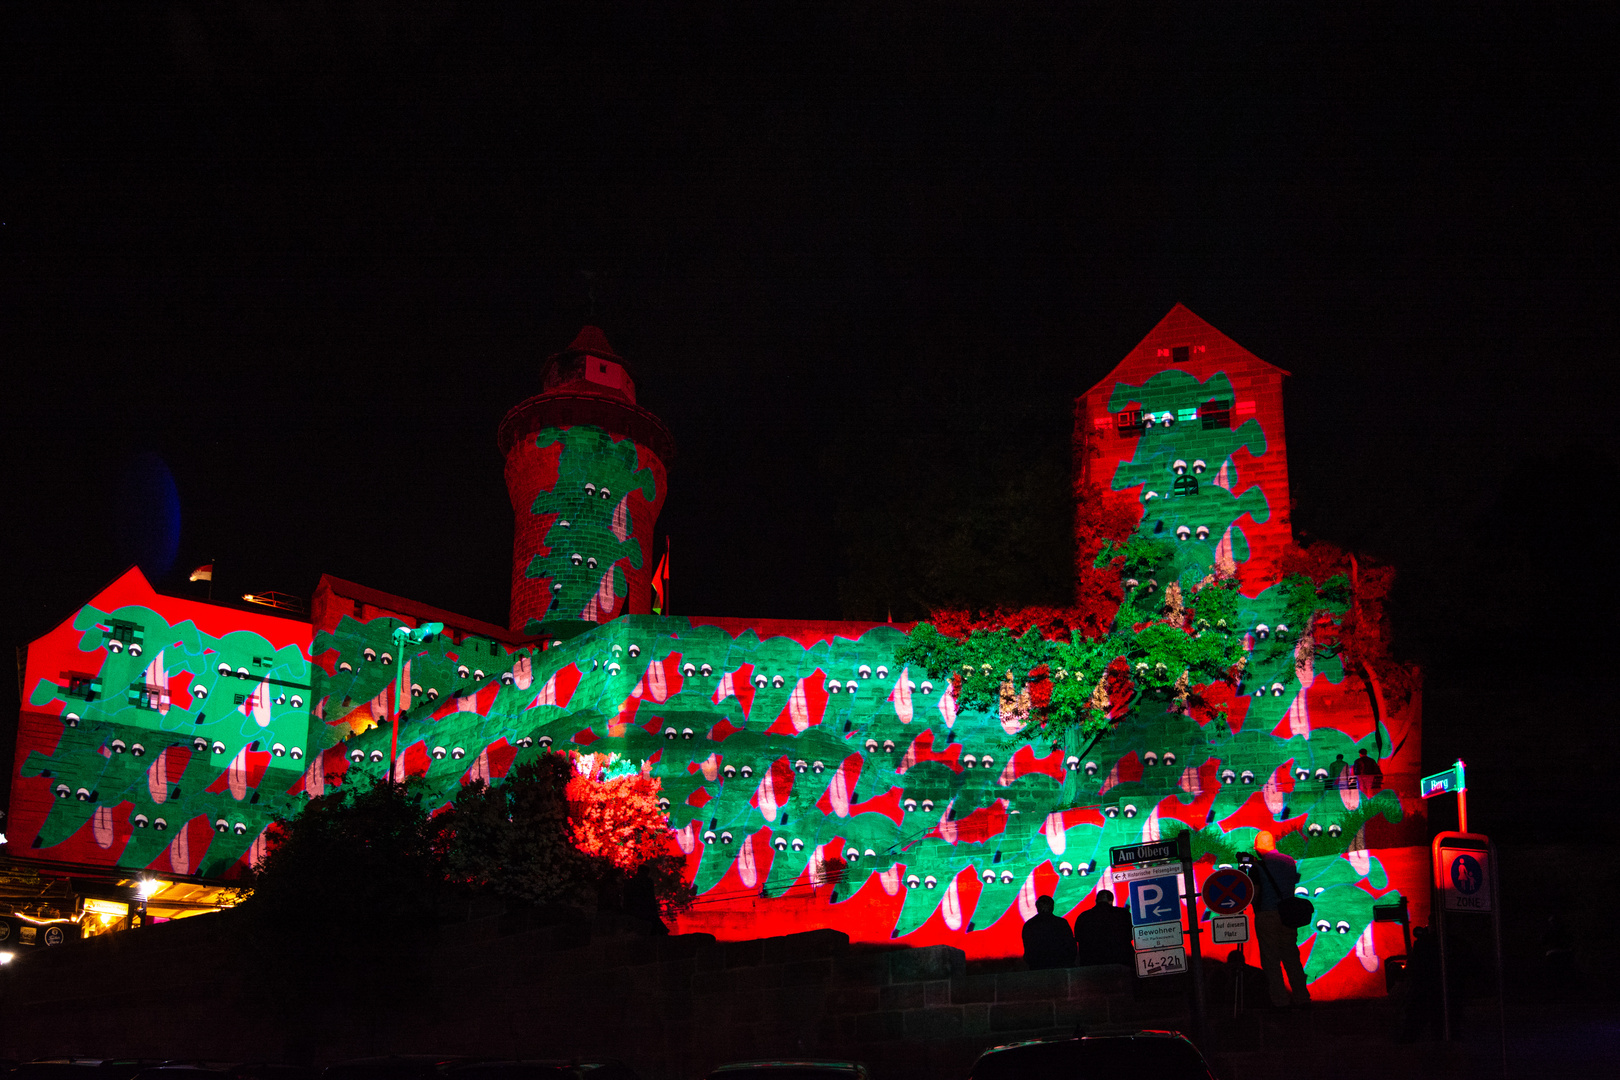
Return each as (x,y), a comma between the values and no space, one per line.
(1155,900)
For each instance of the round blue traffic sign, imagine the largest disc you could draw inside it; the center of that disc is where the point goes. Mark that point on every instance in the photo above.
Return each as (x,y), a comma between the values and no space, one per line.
(1467,875)
(1227,892)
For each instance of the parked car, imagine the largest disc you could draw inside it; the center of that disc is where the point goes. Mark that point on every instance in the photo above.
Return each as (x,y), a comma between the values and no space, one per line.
(395,1067)
(541,1069)
(1146,1055)
(791,1069)
(80,1069)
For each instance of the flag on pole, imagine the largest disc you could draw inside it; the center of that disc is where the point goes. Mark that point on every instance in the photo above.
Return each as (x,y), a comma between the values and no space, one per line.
(205,572)
(660,583)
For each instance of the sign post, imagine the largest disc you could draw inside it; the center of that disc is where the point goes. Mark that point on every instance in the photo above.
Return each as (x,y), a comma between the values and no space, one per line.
(1158,875)
(1454,781)
(1466,882)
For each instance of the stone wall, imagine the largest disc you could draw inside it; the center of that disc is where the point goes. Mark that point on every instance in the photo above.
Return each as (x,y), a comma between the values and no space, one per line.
(670,1006)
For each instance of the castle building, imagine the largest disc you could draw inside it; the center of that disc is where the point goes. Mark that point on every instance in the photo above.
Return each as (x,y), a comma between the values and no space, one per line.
(813,774)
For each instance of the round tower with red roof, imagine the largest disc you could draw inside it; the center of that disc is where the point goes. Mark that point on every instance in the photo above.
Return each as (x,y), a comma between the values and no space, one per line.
(585,468)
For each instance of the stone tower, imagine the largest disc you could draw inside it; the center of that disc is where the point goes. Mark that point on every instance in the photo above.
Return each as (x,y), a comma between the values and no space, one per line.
(585,468)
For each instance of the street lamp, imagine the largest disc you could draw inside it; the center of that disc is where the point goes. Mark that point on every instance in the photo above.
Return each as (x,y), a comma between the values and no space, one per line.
(403,636)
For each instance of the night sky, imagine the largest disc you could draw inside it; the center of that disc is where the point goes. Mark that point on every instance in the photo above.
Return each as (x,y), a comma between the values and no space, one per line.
(303,257)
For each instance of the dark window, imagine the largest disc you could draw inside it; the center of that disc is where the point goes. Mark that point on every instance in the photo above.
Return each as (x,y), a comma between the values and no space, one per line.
(1179,354)
(1215,414)
(1186,485)
(118,630)
(1128,423)
(145,697)
(80,685)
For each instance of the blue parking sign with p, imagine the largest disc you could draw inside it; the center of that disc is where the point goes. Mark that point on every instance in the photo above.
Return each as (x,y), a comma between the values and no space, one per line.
(1155,900)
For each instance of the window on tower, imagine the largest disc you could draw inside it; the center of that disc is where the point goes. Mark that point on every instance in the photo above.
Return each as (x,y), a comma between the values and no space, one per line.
(1128,423)
(1179,354)
(1215,414)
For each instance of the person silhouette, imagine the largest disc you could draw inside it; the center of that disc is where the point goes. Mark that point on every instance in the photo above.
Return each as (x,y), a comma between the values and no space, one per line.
(1102,933)
(1279,945)
(1336,771)
(1048,942)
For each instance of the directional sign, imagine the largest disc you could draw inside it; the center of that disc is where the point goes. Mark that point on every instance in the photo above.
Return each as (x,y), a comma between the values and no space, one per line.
(1466,879)
(1160,962)
(1140,853)
(1232,930)
(1227,892)
(1165,935)
(1444,783)
(1154,900)
(1145,870)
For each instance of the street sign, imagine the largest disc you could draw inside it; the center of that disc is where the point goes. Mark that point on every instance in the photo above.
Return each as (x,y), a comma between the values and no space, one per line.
(1465,879)
(1227,892)
(1160,962)
(1140,853)
(1144,870)
(1165,935)
(1444,783)
(1231,930)
(1154,900)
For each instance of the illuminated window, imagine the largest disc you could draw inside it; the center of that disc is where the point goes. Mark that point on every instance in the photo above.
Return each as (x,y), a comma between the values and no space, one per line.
(1216,414)
(1128,423)
(78,684)
(1185,485)
(143,696)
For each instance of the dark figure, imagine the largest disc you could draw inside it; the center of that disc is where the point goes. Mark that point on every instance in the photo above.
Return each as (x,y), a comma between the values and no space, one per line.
(1369,777)
(1274,878)
(1048,942)
(1424,1004)
(1336,777)
(1102,934)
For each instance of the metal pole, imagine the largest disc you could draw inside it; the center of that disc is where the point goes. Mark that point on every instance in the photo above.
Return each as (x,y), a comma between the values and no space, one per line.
(1496,933)
(399,700)
(1437,923)
(1462,810)
(1194,933)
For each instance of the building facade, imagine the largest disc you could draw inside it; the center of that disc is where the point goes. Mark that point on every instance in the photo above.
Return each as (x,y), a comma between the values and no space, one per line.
(813,776)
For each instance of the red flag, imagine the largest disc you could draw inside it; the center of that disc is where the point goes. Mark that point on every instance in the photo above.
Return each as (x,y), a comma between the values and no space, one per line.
(660,583)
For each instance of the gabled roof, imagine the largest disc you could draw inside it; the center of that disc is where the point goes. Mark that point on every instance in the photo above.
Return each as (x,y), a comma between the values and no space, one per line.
(1181,326)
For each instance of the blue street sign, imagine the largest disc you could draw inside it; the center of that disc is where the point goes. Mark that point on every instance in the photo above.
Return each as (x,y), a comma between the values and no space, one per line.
(1155,900)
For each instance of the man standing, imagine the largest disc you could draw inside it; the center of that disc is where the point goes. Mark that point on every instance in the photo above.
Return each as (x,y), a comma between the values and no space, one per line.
(1102,933)
(1048,943)
(1274,879)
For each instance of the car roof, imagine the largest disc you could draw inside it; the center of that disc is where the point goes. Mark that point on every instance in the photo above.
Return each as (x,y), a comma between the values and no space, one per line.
(787,1063)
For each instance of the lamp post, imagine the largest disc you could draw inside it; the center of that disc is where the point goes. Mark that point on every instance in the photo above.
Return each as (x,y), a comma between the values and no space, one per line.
(403,636)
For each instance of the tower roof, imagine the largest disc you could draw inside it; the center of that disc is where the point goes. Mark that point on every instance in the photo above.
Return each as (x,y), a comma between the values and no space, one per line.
(1207,349)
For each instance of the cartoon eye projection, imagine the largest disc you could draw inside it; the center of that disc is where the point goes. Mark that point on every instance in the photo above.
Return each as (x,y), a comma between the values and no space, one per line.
(747,771)
(199,744)
(1203,532)
(911,806)
(1065,869)
(1111,811)
(357,756)
(296,753)
(1091,768)
(222,825)
(864,672)
(833,687)
(1150,758)
(1248,776)
(462,672)
(590,489)
(930,881)
(370,654)
(708,836)
(1071,763)
(1320,774)
(433,693)
(853,854)
(730,771)
(605,493)
(986,761)
(160,825)
(1179,468)
(577,559)
(63,791)
(1169,757)
(134,648)
(478,673)
(344,666)
(1006,877)
(556,587)
(1228,776)
(912,881)
(689,670)
(1335,829)
(296,701)
(1130,810)
(139,821)
(706,670)
(1319,890)
(506,678)
(115,646)
(614,669)
(219,747)
(225,669)
(200,692)
(663,804)
(882,672)
(780,843)
(525,742)
(1323,926)
(870,854)
(565,524)
(760,681)
(686,733)
(989,877)
(927,687)
(968,761)
(1302,774)
(851,686)
(725,837)
(457,753)
(1342,927)
(137,750)
(635,651)
(670,733)
(590,564)
(801,766)
(279,750)
(117,746)
(888,746)
(798,845)
(928,806)
(871,746)
(439,752)
(1276,689)
(387,658)
(545,742)
(1182,532)
(778,682)
(1199,466)
(1262,631)
(817,767)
